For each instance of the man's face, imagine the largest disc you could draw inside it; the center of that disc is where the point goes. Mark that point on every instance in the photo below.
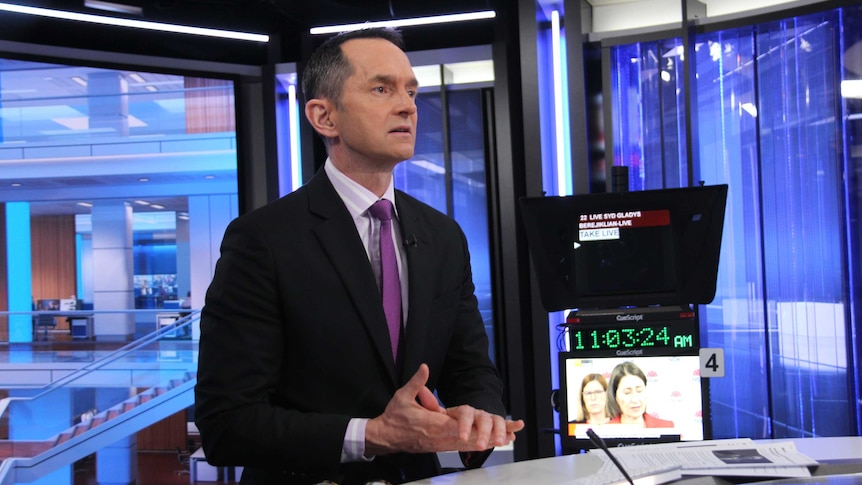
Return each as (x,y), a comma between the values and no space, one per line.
(376,121)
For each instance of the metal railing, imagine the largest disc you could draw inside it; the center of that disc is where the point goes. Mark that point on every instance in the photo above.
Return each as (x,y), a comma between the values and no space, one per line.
(129,388)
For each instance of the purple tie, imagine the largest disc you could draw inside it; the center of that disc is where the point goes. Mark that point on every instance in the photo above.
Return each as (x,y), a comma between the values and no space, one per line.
(390,286)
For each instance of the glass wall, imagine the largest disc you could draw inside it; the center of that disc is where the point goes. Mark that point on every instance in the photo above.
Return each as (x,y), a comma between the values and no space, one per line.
(803,212)
(648,106)
(117,180)
(770,121)
(728,153)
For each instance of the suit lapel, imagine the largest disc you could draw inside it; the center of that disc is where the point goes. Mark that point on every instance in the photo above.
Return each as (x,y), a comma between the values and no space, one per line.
(338,238)
(420,263)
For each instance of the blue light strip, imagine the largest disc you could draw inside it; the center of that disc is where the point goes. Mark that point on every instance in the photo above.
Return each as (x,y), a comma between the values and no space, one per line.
(18,271)
(293,123)
(562,145)
(79,255)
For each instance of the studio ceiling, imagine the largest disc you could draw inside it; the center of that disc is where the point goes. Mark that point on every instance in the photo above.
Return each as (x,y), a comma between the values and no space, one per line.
(287,21)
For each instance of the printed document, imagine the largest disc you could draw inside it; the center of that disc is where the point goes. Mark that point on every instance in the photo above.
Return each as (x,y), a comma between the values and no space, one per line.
(736,457)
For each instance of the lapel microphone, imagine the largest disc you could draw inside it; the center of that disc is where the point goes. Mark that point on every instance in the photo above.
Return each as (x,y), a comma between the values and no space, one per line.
(598,441)
(411,241)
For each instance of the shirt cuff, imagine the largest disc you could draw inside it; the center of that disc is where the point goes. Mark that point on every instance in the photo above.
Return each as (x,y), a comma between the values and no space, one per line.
(354,441)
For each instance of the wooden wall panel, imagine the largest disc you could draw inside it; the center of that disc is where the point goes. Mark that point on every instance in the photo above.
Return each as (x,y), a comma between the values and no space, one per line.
(209,105)
(52,249)
(169,434)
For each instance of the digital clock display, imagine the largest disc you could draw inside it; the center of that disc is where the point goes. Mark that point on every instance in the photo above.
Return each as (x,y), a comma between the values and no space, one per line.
(635,338)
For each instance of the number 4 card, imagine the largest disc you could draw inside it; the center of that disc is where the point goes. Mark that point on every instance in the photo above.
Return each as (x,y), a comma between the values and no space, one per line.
(712,362)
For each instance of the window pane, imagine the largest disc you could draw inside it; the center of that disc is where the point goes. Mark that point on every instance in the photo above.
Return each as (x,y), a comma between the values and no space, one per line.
(86,152)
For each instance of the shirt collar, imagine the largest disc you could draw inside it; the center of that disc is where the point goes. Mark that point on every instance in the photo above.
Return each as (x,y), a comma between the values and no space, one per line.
(356,197)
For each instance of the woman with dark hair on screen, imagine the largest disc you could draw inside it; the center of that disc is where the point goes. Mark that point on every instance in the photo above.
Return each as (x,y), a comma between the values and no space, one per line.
(627,388)
(594,400)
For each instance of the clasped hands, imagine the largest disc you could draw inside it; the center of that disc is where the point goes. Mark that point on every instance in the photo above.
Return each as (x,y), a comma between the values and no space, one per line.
(414,422)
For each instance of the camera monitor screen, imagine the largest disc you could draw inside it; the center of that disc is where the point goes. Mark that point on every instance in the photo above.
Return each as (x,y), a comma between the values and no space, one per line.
(612,250)
(48,304)
(630,399)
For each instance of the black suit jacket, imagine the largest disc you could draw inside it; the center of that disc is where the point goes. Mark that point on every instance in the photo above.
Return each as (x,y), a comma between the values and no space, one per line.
(294,341)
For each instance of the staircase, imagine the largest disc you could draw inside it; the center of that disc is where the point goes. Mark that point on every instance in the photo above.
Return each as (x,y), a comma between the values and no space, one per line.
(165,385)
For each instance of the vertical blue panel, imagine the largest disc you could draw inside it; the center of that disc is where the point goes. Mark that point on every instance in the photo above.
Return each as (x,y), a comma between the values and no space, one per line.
(19,278)
(647,172)
(803,217)
(625,98)
(647,100)
(282,124)
(79,253)
(673,137)
(851,23)
(469,193)
(288,112)
(725,101)
(544,53)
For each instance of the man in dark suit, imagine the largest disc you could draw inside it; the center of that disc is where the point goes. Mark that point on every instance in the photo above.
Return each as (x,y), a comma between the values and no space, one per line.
(299,378)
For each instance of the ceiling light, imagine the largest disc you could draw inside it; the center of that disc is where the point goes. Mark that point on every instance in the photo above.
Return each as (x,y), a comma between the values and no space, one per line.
(85,204)
(80,80)
(436,19)
(151,89)
(143,179)
(157,206)
(15,184)
(137,78)
(142,202)
(114,7)
(137,24)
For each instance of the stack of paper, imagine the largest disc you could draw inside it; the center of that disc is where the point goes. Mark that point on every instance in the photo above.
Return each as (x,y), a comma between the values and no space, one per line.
(737,457)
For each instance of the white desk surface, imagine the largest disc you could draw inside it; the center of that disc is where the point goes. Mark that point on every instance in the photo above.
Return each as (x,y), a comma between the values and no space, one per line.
(562,469)
(830,449)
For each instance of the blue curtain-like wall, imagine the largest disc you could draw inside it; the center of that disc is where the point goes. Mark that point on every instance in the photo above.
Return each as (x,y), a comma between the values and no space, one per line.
(771,123)
(801,166)
(728,153)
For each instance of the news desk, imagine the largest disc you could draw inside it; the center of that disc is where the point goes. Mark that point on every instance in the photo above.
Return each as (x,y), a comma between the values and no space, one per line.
(838,455)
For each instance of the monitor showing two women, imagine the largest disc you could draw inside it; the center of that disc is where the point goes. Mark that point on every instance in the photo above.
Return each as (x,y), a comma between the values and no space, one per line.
(638,398)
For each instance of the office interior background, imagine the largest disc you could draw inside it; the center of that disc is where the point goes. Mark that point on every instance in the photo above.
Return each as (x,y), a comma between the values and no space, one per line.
(106,129)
